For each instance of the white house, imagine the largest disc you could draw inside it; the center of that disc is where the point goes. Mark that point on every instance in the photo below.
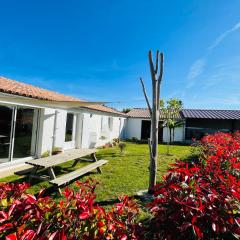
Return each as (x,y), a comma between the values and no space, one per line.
(196,124)
(139,124)
(34,121)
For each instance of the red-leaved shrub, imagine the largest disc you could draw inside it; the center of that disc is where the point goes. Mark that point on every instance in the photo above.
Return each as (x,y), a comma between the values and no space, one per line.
(201,200)
(24,216)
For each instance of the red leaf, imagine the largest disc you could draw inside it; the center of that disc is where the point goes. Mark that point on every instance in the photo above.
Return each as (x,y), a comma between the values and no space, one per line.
(28,235)
(11,236)
(5,226)
(63,236)
(3,216)
(11,209)
(31,199)
(197,231)
(83,215)
(53,235)
(124,237)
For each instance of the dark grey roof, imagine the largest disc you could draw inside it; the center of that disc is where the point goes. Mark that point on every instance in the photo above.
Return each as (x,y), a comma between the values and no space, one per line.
(211,114)
(190,113)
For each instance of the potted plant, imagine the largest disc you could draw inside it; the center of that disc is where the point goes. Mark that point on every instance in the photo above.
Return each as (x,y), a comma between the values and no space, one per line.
(56,150)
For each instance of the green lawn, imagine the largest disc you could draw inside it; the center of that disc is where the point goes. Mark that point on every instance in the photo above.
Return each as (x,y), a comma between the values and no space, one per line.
(124,174)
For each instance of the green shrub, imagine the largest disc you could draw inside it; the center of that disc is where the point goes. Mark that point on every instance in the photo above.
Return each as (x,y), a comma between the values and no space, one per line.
(134,139)
(45,154)
(122,147)
(116,140)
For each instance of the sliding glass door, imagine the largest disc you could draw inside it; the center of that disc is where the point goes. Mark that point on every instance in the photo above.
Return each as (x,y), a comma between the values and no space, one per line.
(6,114)
(18,133)
(23,133)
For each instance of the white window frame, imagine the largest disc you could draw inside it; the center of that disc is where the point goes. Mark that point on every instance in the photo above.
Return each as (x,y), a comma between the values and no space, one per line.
(34,143)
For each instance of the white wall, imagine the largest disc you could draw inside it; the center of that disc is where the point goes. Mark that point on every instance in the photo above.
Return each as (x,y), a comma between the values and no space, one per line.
(96,131)
(46,127)
(133,128)
(92,129)
(178,134)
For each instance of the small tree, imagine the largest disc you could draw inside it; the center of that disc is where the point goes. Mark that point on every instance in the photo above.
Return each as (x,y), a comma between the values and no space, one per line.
(126,110)
(156,75)
(170,113)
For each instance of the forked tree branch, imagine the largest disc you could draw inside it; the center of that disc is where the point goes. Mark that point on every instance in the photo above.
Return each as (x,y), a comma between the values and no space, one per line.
(157,57)
(159,78)
(152,70)
(161,68)
(146,97)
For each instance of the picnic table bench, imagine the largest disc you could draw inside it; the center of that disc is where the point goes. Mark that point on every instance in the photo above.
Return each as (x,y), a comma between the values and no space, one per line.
(50,162)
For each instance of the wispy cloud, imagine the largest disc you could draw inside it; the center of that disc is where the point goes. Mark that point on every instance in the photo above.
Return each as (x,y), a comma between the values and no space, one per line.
(220,38)
(195,70)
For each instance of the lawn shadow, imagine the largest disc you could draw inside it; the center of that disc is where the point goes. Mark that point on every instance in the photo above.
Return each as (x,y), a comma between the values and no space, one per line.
(110,154)
(48,190)
(112,201)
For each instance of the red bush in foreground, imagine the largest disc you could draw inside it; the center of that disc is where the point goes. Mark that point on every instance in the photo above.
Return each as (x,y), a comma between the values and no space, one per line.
(201,200)
(25,217)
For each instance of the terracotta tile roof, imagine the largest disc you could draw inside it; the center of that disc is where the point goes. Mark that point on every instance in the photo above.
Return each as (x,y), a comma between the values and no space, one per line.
(144,113)
(26,90)
(139,113)
(103,108)
(211,114)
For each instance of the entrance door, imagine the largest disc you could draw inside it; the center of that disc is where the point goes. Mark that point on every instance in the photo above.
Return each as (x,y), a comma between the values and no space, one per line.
(146,130)
(160,132)
(70,131)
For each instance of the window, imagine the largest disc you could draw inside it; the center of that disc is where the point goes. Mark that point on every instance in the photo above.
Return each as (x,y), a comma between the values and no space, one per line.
(110,123)
(69,128)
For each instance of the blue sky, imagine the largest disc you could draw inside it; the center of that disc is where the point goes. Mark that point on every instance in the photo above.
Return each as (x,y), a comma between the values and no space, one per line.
(97,50)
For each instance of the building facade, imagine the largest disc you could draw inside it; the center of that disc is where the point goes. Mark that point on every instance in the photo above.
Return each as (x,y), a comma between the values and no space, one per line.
(139,124)
(34,121)
(195,124)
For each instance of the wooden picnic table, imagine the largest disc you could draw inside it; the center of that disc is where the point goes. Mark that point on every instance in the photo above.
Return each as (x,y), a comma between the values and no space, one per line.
(50,162)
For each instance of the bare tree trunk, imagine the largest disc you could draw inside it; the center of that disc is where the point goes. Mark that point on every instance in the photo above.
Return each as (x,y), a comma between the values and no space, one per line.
(168,142)
(154,113)
(154,140)
(170,135)
(173,134)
